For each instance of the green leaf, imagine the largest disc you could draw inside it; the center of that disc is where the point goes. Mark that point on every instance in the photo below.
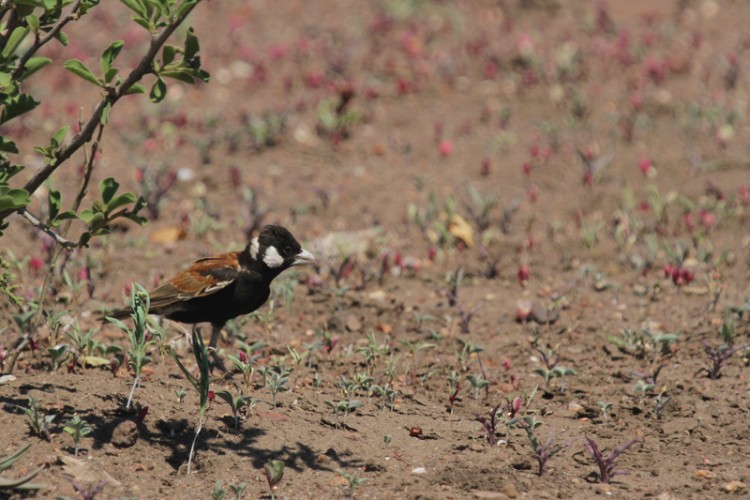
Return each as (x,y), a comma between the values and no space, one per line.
(8,146)
(77,67)
(90,216)
(7,462)
(14,41)
(32,3)
(108,187)
(62,38)
(158,90)
(178,74)
(59,136)
(13,199)
(33,23)
(142,21)
(7,169)
(110,74)
(109,55)
(191,45)
(16,106)
(83,240)
(184,7)
(54,200)
(136,7)
(6,81)
(136,88)
(167,54)
(121,201)
(33,65)
(68,214)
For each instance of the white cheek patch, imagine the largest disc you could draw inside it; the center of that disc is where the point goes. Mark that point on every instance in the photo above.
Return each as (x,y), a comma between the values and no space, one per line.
(254,246)
(272,258)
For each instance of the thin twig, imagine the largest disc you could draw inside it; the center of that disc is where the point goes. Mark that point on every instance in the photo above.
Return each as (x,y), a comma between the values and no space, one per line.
(47,230)
(144,67)
(48,276)
(86,176)
(39,42)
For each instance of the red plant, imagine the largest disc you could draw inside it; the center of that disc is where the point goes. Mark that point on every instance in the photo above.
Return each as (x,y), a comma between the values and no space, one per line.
(524,272)
(607,464)
(445,148)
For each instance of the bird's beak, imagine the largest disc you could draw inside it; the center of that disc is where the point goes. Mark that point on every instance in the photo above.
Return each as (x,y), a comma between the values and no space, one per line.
(303,258)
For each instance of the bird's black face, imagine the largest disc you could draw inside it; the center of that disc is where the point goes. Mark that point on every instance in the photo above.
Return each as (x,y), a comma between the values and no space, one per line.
(275,249)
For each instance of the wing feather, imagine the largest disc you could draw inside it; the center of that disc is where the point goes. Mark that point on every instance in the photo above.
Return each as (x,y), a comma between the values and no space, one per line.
(205,277)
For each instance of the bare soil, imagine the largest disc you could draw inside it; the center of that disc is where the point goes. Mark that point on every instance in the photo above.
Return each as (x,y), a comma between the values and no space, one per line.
(508,99)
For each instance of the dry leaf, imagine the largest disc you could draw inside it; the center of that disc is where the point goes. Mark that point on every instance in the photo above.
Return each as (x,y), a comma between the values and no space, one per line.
(167,235)
(461,230)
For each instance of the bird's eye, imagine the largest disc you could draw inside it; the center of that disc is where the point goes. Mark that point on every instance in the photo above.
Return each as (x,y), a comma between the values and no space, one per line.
(288,250)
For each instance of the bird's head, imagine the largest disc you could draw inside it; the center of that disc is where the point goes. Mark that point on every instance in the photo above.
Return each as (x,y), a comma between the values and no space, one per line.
(275,249)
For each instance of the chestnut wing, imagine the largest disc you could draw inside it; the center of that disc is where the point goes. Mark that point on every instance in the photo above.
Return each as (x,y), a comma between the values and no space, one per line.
(205,277)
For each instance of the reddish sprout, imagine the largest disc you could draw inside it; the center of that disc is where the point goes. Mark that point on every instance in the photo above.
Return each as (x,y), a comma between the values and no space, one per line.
(484,171)
(431,254)
(708,219)
(687,218)
(687,276)
(277,51)
(744,193)
(445,148)
(235,177)
(588,178)
(636,100)
(533,193)
(36,264)
(646,167)
(515,406)
(667,270)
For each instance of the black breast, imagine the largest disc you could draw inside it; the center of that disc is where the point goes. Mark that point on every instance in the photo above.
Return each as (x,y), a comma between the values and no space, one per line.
(245,295)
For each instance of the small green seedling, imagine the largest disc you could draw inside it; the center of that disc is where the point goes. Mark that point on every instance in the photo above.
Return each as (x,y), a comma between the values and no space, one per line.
(37,420)
(276,382)
(138,335)
(345,406)
(236,403)
(353,480)
(274,470)
(218,491)
(238,489)
(200,384)
(477,384)
(77,428)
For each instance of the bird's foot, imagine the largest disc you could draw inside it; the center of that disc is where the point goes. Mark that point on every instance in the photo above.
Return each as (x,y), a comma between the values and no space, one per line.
(217,362)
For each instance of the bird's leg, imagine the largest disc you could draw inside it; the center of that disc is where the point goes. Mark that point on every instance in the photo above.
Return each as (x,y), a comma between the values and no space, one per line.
(215,334)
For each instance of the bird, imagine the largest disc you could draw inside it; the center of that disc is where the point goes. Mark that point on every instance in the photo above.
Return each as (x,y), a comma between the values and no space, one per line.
(221,287)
